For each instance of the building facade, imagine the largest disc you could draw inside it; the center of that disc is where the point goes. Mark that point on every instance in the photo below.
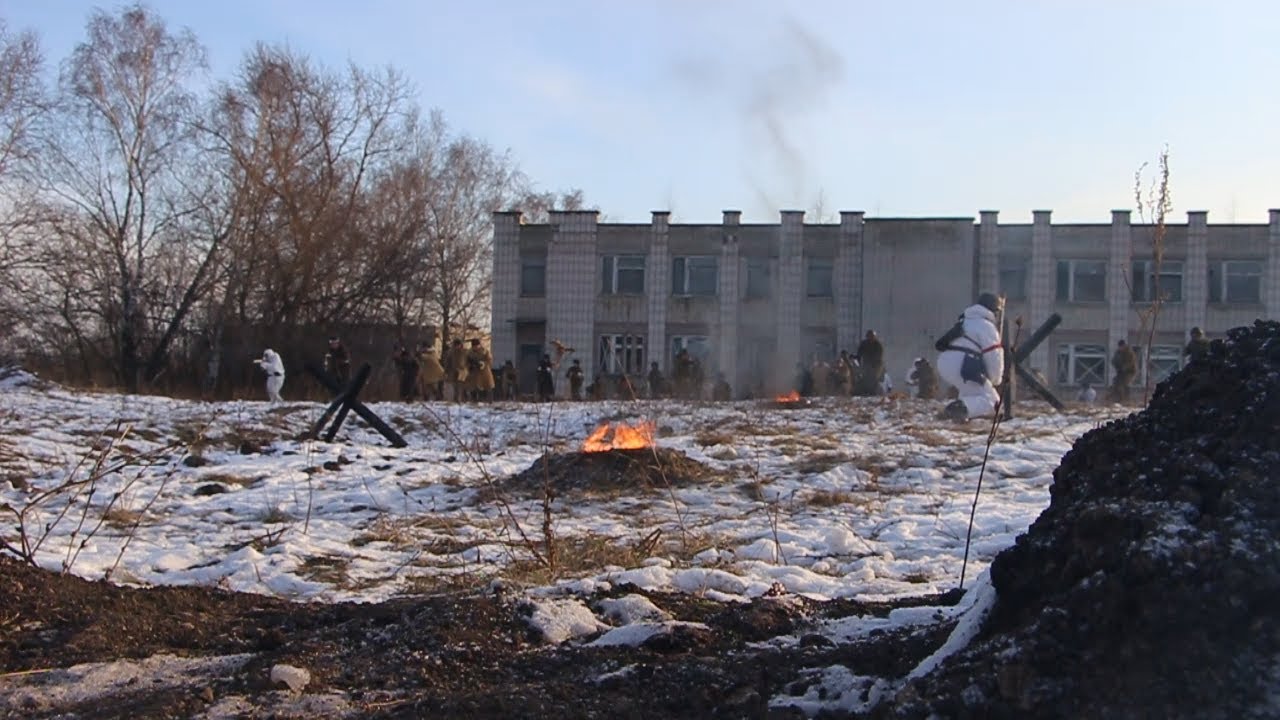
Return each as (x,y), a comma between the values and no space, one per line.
(754,301)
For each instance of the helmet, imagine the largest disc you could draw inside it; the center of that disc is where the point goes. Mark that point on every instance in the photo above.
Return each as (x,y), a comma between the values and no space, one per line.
(990,301)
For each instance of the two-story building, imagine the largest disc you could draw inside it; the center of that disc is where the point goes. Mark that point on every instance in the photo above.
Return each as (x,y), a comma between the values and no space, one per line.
(753,301)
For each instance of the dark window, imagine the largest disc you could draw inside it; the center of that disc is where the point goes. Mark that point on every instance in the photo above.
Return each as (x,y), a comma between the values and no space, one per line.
(818,280)
(1144,285)
(622,354)
(757,278)
(694,275)
(1081,363)
(622,275)
(1013,277)
(533,278)
(1236,281)
(1082,281)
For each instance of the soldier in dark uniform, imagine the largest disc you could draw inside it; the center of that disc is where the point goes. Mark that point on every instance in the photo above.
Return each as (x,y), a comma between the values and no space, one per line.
(657,383)
(1198,347)
(337,361)
(1125,363)
(721,391)
(546,379)
(925,379)
(870,357)
(407,364)
(576,378)
(510,381)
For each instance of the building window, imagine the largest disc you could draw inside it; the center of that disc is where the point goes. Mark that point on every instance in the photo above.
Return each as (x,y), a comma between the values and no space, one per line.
(1078,364)
(818,277)
(1144,285)
(622,354)
(1082,281)
(622,275)
(1013,277)
(757,278)
(694,275)
(533,278)
(1236,281)
(699,347)
(1164,361)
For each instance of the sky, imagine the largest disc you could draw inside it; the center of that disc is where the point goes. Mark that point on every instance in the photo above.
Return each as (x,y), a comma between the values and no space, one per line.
(898,109)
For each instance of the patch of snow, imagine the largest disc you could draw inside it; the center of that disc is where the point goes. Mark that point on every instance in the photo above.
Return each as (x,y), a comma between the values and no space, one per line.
(47,692)
(979,600)
(630,609)
(561,620)
(636,633)
(837,689)
(295,677)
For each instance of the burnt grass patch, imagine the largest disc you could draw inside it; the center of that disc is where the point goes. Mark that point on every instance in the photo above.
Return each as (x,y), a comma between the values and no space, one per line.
(610,472)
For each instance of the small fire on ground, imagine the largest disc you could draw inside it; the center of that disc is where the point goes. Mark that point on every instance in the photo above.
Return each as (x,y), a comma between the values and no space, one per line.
(791,397)
(619,436)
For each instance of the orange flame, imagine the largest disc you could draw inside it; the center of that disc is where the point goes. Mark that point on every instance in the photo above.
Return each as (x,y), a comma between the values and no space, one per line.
(793,396)
(624,437)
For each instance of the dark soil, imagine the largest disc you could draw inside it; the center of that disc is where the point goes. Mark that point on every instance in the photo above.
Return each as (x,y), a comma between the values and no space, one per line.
(610,472)
(1148,587)
(439,657)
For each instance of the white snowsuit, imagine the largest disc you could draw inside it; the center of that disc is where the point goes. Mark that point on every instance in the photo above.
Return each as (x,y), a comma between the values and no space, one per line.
(982,337)
(273,366)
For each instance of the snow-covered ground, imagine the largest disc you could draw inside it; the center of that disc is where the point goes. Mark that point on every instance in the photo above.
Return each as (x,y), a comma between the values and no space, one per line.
(865,498)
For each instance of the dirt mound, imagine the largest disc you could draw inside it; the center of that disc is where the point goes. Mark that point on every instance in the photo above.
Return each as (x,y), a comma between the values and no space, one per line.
(1148,587)
(611,471)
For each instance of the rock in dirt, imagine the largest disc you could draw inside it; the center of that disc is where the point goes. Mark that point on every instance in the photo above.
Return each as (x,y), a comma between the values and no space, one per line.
(295,678)
(1148,587)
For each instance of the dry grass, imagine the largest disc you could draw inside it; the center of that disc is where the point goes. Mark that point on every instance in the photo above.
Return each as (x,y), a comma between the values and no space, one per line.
(386,530)
(326,569)
(712,437)
(820,462)
(829,498)
(121,518)
(229,479)
(275,515)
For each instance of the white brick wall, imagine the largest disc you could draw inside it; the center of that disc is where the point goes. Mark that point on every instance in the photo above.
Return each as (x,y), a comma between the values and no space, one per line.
(790,294)
(847,278)
(730,301)
(572,272)
(1195,270)
(1118,296)
(1271,282)
(1040,284)
(988,252)
(506,285)
(657,284)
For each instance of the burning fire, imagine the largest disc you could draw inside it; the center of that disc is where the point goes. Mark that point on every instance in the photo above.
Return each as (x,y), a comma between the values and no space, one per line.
(618,436)
(791,397)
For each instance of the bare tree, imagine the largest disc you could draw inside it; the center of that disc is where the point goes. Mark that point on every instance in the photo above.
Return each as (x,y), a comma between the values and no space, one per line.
(21,95)
(537,206)
(21,102)
(1154,202)
(305,146)
(117,155)
(465,181)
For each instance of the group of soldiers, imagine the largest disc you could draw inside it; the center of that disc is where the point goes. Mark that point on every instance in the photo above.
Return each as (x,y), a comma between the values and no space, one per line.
(862,374)
(467,372)
(1124,364)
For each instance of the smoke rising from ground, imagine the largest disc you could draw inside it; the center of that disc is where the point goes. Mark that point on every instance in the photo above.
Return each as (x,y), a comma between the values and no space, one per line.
(773,93)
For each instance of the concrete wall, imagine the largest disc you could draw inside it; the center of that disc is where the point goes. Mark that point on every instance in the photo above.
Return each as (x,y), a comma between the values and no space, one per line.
(917,278)
(905,278)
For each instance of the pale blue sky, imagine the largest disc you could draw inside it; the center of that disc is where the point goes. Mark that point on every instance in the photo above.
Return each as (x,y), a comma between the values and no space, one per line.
(904,108)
